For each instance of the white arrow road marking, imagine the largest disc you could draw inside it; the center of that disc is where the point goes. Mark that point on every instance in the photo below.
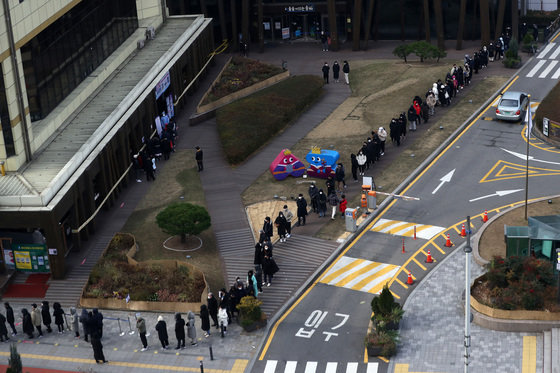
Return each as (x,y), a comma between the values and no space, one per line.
(498,193)
(445,179)
(531,158)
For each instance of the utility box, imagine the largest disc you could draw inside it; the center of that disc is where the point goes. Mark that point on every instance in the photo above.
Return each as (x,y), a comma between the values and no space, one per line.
(351,217)
(372,200)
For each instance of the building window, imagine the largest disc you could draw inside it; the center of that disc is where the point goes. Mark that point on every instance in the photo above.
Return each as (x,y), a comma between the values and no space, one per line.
(5,118)
(65,53)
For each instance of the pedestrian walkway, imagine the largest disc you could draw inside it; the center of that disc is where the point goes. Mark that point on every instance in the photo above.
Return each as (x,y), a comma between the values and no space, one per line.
(275,366)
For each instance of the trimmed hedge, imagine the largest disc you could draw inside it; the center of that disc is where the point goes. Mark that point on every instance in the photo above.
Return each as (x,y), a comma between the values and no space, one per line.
(548,108)
(245,125)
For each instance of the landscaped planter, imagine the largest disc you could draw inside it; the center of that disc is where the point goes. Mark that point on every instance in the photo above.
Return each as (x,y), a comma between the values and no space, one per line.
(515,314)
(254,325)
(212,106)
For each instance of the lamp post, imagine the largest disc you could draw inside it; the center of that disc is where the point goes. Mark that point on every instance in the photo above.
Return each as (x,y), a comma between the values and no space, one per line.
(467,250)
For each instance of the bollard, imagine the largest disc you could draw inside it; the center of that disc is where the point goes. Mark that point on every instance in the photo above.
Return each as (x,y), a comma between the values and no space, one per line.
(403,246)
(201,367)
(121,333)
(131,332)
(414,232)
(222,329)
(211,353)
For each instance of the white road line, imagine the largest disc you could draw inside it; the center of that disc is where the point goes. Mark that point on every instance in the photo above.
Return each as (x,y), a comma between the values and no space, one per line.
(290,367)
(311,367)
(546,50)
(536,68)
(556,74)
(352,368)
(555,54)
(548,69)
(270,366)
(342,276)
(380,280)
(372,367)
(369,273)
(331,368)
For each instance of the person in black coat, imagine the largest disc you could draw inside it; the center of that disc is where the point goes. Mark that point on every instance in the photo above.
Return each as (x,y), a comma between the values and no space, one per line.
(10,317)
(205,320)
(58,314)
(27,324)
(301,209)
(354,162)
(269,267)
(179,331)
(97,349)
(335,71)
(330,185)
(84,322)
(281,223)
(213,309)
(322,203)
(313,192)
(98,322)
(257,262)
(3,329)
(267,228)
(161,328)
(46,314)
(326,69)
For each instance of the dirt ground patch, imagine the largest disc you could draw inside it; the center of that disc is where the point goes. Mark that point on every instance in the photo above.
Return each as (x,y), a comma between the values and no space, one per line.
(492,242)
(177,181)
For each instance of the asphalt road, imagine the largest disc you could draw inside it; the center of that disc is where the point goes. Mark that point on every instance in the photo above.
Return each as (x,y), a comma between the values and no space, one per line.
(485,169)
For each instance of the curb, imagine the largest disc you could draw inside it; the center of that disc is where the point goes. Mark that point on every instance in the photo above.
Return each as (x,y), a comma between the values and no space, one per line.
(272,322)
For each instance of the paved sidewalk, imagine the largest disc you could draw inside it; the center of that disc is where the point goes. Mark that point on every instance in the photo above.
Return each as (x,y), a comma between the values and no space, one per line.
(432,329)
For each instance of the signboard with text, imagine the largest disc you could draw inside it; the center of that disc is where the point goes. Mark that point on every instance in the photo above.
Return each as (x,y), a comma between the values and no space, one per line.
(31,258)
(300,8)
(163,84)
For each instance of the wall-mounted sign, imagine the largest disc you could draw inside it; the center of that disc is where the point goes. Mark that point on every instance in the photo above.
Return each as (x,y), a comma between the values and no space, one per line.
(545,126)
(163,84)
(300,8)
(31,258)
(285,33)
(53,252)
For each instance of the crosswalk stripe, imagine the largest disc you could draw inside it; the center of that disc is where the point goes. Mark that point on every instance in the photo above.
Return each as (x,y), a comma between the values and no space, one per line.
(546,50)
(343,265)
(406,229)
(359,274)
(331,368)
(290,367)
(555,54)
(536,68)
(310,367)
(270,366)
(352,368)
(372,367)
(556,74)
(548,69)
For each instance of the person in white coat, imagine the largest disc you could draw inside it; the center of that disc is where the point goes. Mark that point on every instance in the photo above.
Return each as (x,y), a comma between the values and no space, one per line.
(223,318)
(382,134)
(362,159)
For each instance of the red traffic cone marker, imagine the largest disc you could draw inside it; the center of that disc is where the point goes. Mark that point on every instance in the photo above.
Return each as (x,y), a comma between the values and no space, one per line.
(410,281)
(414,232)
(485,216)
(463,231)
(429,258)
(403,246)
(448,241)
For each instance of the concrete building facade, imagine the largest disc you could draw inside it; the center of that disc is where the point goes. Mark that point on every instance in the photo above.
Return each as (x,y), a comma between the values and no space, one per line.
(82,82)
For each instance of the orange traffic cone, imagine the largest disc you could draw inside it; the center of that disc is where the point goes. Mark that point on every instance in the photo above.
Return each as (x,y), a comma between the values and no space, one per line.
(403,246)
(463,231)
(448,241)
(410,281)
(485,216)
(429,258)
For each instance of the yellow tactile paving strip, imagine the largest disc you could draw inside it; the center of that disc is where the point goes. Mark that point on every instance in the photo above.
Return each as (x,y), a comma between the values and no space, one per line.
(529,362)
(238,366)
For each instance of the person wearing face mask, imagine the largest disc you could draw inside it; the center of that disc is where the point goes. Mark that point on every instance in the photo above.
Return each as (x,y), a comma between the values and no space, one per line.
(301,209)
(213,309)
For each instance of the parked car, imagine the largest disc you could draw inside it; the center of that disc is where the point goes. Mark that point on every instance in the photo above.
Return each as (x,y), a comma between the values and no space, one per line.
(512,106)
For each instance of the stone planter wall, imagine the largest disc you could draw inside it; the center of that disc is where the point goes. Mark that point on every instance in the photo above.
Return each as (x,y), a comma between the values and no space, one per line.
(120,304)
(212,106)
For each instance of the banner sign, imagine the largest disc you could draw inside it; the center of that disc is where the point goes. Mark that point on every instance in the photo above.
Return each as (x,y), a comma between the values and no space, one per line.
(163,84)
(300,8)
(31,258)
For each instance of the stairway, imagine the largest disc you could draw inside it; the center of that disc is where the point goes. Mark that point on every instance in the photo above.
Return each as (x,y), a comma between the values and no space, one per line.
(551,358)
(297,259)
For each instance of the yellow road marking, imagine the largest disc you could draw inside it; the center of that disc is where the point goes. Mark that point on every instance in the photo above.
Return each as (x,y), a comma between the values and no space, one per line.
(529,362)
(400,228)
(357,273)
(439,248)
(380,227)
(368,279)
(554,38)
(536,145)
(346,268)
(238,366)
(498,173)
(419,264)
(507,87)
(402,283)
(403,368)
(456,229)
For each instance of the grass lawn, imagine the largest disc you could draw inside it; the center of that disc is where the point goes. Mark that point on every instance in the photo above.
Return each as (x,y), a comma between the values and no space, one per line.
(247,124)
(178,178)
(376,86)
